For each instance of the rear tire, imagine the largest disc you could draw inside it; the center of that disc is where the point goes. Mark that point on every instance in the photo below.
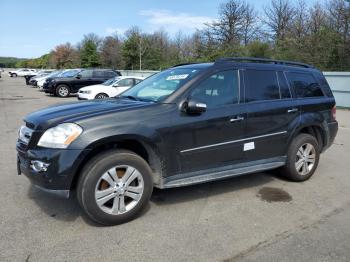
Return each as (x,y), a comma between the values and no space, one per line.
(62,91)
(114,187)
(302,158)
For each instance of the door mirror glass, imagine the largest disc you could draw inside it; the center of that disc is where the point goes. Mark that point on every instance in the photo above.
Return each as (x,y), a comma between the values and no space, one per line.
(194,107)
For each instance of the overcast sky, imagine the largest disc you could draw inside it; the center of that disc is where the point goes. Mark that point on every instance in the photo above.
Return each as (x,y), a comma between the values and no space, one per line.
(32,28)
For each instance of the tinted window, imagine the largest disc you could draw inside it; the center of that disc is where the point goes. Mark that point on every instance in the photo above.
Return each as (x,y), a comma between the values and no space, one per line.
(324,84)
(99,74)
(86,74)
(137,81)
(305,85)
(261,85)
(284,88)
(110,74)
(218,89)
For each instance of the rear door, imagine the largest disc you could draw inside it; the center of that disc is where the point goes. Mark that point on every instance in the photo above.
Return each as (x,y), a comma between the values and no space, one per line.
(271,110)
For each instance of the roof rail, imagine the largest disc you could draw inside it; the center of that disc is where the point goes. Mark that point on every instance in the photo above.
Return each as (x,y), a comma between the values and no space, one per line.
(190,63)
(262,60)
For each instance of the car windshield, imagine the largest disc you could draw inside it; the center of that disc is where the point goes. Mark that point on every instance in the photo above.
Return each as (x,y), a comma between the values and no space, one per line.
(110,81)
(159,86)
(56,73)
(70,73)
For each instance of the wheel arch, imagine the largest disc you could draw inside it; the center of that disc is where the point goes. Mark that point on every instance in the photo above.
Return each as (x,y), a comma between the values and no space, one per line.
(315,129)
(137,145)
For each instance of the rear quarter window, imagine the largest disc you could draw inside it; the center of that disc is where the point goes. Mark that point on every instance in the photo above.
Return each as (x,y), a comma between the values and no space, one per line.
(304,84)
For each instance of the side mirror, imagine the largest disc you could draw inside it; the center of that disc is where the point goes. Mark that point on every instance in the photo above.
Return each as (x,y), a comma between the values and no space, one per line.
(78,76)
(194,107)
(115,85)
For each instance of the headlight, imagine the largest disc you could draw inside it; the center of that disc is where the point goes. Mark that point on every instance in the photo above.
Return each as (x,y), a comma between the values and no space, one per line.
(60,136)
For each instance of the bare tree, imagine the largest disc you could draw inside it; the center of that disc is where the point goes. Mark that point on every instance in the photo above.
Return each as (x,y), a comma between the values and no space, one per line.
(318,18)
(301,24)
(111,52)
(339,16)
(235,23)
(278,17)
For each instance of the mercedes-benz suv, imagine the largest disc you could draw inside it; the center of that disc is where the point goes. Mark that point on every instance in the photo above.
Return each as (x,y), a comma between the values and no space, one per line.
(188,124)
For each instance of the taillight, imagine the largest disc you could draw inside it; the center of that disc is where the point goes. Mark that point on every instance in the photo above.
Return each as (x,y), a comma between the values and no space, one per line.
(334,112)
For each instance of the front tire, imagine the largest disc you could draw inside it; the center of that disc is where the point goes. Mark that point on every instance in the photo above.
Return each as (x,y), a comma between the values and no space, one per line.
(302,158)
(14,75)
(101,96)
(114,187)
(62,91)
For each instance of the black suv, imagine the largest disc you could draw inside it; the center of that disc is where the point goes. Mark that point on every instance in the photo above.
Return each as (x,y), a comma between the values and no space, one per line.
(188,124)
(64,86)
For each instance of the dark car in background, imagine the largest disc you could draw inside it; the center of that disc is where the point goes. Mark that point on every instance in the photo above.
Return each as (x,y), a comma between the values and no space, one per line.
(64,86)
(31,78)
(186,125)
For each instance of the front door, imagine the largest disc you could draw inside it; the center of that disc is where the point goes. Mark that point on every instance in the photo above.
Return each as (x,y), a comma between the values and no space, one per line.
(212,139)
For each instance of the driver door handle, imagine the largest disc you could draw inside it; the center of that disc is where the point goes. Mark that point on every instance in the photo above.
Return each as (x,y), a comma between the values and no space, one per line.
(236,119)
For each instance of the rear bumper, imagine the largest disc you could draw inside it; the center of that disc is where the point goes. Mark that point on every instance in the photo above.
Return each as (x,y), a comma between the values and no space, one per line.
(332,130)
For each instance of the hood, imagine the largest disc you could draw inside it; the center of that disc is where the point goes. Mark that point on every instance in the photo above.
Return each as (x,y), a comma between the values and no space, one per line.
(91,87)
(75,111)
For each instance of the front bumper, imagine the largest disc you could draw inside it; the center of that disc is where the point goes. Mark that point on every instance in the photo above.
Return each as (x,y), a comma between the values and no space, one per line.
(48,88)
(82,96)
(62,167)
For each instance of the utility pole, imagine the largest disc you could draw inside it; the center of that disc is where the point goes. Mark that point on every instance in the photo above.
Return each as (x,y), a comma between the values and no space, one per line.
(140,52)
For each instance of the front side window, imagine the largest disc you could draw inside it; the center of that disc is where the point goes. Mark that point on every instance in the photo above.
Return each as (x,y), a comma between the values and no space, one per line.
(161,85)
(219,89)
(305,85)
(126,82)
(86,74)
(99,74)
(261,85)
(69,73)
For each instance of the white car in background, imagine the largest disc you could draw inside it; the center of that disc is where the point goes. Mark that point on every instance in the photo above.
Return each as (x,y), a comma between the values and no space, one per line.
(21,72)
(110,88)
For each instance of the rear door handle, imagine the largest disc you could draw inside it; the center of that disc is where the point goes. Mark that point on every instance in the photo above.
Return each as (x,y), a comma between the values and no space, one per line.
(293,110)
(236,119)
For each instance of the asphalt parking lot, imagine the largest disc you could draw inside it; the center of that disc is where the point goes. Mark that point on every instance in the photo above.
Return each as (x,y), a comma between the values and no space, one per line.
(254,217)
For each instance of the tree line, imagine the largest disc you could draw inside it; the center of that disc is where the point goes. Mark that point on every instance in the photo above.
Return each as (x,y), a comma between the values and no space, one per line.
(289,30)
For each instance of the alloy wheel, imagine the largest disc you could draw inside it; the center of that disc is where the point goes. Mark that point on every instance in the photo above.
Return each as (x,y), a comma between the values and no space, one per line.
(119,190)
(305,159)
(63,91)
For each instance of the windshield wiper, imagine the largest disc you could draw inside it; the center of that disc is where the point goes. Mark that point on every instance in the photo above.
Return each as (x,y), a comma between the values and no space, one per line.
(130,97)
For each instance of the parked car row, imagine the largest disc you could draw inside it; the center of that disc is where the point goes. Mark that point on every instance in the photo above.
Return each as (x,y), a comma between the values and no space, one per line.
(86,83)
(21,72)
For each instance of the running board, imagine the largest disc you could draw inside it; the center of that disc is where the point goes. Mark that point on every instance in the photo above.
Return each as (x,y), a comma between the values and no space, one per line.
(203,176)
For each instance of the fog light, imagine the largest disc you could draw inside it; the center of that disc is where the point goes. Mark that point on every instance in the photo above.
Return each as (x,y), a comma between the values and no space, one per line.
(38,166)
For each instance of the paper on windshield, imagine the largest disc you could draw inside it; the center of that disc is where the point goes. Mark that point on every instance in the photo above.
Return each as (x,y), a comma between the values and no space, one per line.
(177,77)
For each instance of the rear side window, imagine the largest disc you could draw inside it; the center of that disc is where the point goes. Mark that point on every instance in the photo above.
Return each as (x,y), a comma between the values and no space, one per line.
(261,85)
(284,88)
(305,85)
(110,74)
